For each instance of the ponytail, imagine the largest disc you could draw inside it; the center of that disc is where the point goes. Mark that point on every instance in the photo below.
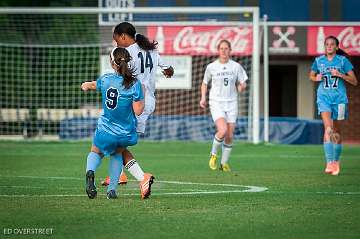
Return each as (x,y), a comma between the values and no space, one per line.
(121,57)
(144,42)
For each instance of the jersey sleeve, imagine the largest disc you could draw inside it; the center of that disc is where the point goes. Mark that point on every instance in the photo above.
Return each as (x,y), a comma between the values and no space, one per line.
(99,84)
(207,75)
(347,66)
(314,66)
(241,74)
(138,92)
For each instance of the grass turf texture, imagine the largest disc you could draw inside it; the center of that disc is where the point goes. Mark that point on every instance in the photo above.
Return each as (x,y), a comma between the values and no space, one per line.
(301,201)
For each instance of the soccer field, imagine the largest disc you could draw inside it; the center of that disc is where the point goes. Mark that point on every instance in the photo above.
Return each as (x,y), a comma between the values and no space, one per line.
(274,191)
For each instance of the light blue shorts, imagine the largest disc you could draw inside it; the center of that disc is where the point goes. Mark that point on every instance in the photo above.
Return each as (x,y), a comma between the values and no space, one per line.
(108,143)
(338,111)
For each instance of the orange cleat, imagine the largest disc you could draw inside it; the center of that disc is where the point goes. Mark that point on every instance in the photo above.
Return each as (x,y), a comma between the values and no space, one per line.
(145,185)
(106,181)
(123,178)
(329,167)
(336,168)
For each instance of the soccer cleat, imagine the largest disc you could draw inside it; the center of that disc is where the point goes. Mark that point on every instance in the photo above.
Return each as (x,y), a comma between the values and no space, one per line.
(106,181)
(336,168)
(329,167)
(225,167)
(145,185)
(123,178)
(111,195)
(212,161)
(90,184)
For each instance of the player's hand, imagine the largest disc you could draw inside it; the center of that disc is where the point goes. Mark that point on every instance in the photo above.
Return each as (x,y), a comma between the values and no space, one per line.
(335,72)
(169,72)
(318,77)
(203,103)
(84,86)
(241,87)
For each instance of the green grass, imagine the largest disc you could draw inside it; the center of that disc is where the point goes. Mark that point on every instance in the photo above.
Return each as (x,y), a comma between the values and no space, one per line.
(301,201)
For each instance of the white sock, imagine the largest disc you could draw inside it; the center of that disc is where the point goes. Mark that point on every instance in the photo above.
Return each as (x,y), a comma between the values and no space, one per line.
(226,150)
(216,144)
(134,168)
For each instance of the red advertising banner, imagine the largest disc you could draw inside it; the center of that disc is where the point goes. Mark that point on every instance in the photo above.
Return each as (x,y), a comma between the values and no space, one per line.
(349,38)
(200,40)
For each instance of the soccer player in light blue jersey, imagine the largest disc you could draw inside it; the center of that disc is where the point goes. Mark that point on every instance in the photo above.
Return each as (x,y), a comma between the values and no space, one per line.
(122,99)
(332,70)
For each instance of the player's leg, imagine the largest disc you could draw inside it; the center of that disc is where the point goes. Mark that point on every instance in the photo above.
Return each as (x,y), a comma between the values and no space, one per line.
(93,161)
(231,116)
(336,139)
(328,144)
(227,147)
(145,179)
(340,112)
(219,136)
(115,167)
(218,115)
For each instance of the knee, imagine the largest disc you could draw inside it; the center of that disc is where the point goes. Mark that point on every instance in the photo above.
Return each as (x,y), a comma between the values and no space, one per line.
(222,132)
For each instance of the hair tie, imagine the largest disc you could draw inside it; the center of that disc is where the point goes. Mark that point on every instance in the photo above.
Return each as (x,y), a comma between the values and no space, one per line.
(136,34)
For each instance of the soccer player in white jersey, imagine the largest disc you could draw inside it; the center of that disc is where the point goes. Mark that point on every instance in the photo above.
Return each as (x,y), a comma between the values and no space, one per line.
(145,59)
(227,79)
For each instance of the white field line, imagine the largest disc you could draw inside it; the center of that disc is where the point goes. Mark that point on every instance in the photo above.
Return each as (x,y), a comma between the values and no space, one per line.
(235,188)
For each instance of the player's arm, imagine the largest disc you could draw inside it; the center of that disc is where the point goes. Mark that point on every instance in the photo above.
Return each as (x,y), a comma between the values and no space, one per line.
(138,98)
(313,76)
(203,88)
(241,86)
(138,107)
(167,70)
(349,76)
(89,85)
(241,79)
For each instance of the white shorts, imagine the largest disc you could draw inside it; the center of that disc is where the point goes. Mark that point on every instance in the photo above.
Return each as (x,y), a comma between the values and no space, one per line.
(224,109)
(149,108)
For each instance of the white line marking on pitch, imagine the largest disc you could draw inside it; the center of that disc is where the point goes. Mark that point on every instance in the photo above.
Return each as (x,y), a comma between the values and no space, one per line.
(248,189)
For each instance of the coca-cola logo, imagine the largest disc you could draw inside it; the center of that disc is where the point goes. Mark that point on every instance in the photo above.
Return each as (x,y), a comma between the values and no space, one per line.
(349,39)
(188,40)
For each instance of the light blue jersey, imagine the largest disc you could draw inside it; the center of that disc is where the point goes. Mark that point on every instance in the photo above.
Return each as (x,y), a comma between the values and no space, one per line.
(331,89)
(118,117)
(331,92)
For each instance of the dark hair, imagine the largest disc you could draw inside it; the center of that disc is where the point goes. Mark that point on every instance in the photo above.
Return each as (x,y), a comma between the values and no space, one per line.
(121,57)
(141,40)
(224,41)
(337,43)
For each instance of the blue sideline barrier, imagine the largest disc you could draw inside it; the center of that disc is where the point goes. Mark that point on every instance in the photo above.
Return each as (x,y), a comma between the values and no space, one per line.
(283,130)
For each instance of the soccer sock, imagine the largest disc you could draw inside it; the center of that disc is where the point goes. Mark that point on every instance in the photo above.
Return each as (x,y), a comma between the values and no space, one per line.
(93,161)
(134,168)
(216,144)
(329,151)
(226,150)
(337,151)
(115,166)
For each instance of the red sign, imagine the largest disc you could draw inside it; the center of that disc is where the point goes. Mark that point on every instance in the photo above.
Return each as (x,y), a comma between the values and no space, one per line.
(200,40)
(349,38)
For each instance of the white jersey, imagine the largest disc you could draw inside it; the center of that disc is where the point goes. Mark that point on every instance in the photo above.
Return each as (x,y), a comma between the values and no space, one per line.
(223,79)
(144,63)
